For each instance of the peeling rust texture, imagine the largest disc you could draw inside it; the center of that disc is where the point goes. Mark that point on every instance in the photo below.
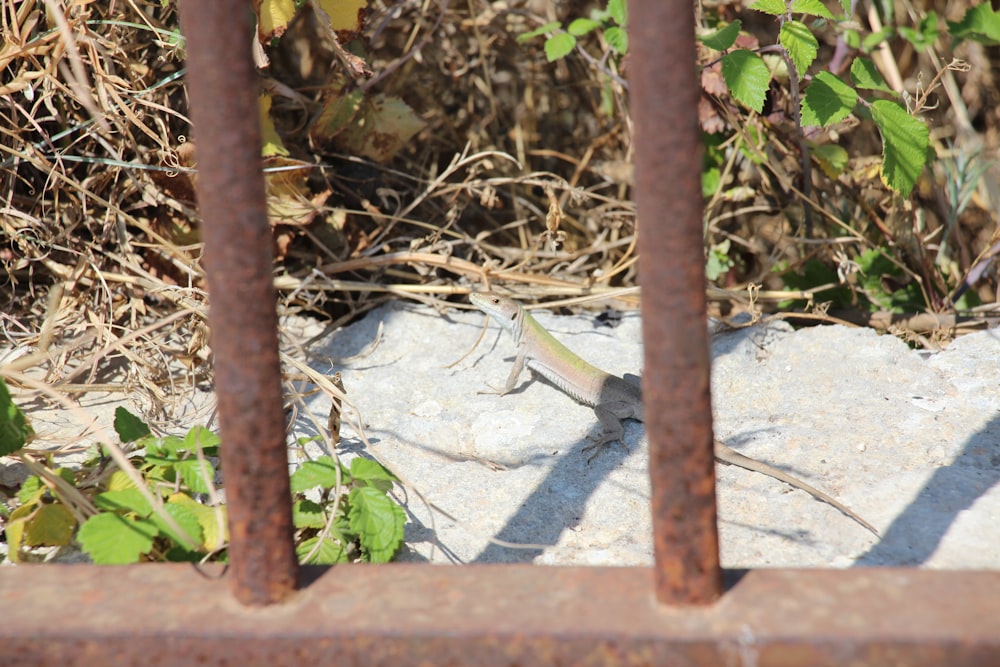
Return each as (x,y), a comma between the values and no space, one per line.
(664,92)
(399,615)
(223,86)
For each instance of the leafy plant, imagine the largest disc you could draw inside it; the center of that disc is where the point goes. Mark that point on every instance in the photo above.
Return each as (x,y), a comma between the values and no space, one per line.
(354,517)
(612,21)
(175,514)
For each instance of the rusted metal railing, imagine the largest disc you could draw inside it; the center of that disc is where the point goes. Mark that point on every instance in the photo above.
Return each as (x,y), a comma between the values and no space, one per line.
(485,615)
(678,414)
(222,85)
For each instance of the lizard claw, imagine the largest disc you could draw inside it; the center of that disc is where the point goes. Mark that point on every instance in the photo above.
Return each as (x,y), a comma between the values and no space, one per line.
(599,446)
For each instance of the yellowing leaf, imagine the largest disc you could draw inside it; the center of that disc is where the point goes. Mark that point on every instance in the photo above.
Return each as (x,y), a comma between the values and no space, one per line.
(215,535)
(51,526)
(344,14)
(274,18)
(272,142)
(383,126)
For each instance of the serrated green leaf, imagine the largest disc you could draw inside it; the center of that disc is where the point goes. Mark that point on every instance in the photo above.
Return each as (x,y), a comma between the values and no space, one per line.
(581,27)
(558,46)
(307,514)
(372,473)
(167,446)
(119,480)
(722,39)
(200,437)
(618,9)
(111,539)
(811,7)
(51,525)
(747,78)
(772,7)
(548,27)
(184,515)
(367,469)
(827,100)
(871,41)
(129,427)
(197,475)
(924,35)
(865,75)
(321,472)
(124,500)
(31,490)
(617,39)
(330,552)
(832,159)
(214,527)
(800,43)
(981,23)
(15,430)
(378,521)
(905,141)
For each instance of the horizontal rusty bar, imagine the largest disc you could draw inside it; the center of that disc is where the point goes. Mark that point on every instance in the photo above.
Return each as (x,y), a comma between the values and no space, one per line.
(496,615)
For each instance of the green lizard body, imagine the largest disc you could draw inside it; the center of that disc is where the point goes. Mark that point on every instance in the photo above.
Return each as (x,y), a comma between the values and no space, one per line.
(613,398)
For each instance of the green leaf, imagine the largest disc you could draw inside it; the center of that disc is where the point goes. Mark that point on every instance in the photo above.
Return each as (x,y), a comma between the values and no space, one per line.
(800,43)
(31,490)
(747,78)
(322,473)
(186,518)
(50,526)
(124,500)
(15,431)
(111,539)
(129,427)
(981,23)
(722,39)
(378,521)
(772,7)
(558,46)
(197,475)
(873,40)
(307,514)
(905,141)
(924,35)
(718,260)
(827,100)
(329,552)
(811,7)
(617,39)
(618,9)
(214,530)
(548,27)
(831,157)
(369,470)
(865,75)
(169,446)
(201,437)
(581,27)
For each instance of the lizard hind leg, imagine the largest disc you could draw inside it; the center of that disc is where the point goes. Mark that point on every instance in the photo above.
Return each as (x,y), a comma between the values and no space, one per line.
(610,416)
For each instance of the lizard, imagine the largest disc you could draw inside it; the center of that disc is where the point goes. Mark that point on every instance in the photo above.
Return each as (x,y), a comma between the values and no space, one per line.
(613,398)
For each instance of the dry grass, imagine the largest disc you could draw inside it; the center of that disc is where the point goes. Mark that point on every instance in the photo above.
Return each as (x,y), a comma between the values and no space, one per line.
(519,178)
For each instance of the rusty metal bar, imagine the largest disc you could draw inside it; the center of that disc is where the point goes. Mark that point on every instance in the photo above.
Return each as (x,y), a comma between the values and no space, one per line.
(664,95)
(222,86)
(403,615)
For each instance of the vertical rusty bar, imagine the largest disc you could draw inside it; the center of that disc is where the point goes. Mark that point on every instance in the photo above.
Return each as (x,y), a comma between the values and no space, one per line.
(664,90)
(222,86)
